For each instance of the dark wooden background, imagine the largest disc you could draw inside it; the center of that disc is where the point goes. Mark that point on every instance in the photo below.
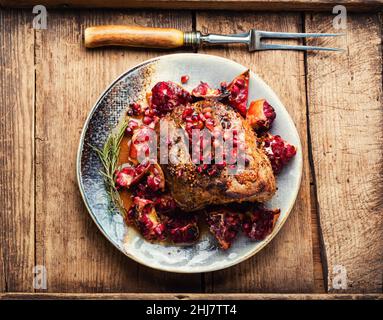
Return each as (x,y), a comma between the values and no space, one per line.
(49,82)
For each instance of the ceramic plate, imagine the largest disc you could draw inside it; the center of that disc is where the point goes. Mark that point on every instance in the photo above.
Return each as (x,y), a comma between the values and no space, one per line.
(131,86)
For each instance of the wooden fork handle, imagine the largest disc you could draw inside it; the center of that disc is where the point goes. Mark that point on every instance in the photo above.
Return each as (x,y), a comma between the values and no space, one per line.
(133,36)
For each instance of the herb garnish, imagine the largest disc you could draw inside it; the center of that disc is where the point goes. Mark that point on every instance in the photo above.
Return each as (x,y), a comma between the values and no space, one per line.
(108,156)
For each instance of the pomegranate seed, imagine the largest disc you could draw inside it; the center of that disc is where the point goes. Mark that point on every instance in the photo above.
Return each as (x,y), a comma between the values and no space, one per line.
(205,91)
(147,120)
(221,165)
(207,115)
(149,112)
(132,125)
(235,91)
(153,182)
(201,89)
(123,179)
(187,113)
(240,82)
(136,108)
(184,79)
(211,172)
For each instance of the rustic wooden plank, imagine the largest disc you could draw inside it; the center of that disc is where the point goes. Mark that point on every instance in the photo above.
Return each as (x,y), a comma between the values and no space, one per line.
(346,121)
(17,151)
(187,296)
(69,80)
(286,264)
(319,284)
(165,282)
(268,5)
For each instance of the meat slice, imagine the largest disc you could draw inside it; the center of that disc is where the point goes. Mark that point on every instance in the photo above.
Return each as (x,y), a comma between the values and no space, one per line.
(194,186)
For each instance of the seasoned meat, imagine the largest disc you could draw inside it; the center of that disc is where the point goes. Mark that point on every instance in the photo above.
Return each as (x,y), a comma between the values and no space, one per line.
(194,186)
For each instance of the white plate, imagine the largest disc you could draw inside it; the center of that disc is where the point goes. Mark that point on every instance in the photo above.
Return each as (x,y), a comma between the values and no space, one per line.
(205,255)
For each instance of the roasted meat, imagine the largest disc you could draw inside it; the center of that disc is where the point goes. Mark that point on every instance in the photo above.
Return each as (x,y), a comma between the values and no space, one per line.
(195,185)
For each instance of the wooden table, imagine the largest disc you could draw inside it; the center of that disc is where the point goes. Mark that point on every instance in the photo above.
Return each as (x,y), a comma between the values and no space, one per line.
(49,82)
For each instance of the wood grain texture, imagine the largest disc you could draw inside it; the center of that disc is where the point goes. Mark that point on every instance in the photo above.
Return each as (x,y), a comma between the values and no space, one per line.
(286,264)
(186,296)
(268,5)
(346,122)
(345,103)
(133,36)
(69,80)
(319,283)
(17,151)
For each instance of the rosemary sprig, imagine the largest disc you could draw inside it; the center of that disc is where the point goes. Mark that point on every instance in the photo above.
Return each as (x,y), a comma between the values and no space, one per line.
(108,156)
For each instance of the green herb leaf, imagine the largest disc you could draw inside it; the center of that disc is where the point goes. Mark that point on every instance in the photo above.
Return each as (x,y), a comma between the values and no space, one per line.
(109,158)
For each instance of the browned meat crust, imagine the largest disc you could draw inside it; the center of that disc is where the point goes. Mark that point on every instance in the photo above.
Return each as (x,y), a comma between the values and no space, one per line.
(193,190)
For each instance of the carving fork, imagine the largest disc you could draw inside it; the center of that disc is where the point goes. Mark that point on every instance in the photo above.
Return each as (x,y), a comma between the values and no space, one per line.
(166,38)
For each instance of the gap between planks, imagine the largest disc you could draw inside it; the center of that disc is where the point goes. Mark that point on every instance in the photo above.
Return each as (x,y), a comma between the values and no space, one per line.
(319,255)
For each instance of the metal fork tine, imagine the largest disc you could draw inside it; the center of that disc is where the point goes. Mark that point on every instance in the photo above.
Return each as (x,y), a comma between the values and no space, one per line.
(288,35)
(264,46)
